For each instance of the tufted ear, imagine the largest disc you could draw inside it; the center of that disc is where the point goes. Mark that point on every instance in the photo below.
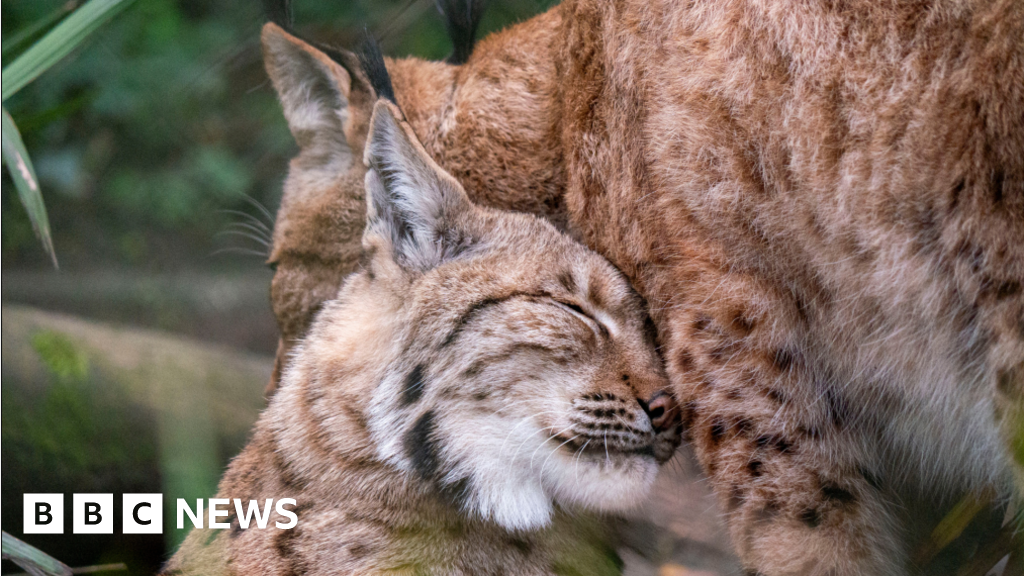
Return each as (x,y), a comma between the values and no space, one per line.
(314,91)
(411,201)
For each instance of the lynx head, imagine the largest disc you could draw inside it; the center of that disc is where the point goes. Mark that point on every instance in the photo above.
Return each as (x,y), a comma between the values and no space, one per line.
(494,142)
(512,369)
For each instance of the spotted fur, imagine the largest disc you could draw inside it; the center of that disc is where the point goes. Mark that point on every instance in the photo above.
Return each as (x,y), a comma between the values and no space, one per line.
(824,204)
(456,409)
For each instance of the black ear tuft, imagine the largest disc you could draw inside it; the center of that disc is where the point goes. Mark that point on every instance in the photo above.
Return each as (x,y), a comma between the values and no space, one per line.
(461,19)
(372,62)
(279,12)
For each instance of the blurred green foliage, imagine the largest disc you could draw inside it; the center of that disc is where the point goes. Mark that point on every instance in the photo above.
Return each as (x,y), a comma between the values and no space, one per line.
(165,117)
(60,355)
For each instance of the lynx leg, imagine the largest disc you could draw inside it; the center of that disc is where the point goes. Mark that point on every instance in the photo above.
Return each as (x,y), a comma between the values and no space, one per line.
(795,508)
(794,470)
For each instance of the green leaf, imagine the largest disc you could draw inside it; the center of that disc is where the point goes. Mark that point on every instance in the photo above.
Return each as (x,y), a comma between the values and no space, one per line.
(953,524)
(24,176)
(33,560)
(64,38)
(16,41)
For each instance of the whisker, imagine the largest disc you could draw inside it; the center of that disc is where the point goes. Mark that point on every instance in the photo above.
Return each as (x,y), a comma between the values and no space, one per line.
(521,444)
(516,403)
(250,228)
(255,230)
(544,464)
(260,207)
(251,218)
(255,239)
(237,250)
(545,442)
(238,227)
(518,424)
(577,456)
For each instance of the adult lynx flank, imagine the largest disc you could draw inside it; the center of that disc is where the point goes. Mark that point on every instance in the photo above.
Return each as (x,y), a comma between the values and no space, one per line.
(479,383)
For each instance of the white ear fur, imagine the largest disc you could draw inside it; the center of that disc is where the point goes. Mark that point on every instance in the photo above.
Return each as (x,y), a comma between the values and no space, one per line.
(314,91)
(410,199)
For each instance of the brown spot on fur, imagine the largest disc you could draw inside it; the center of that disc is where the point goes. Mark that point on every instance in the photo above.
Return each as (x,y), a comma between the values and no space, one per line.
(717,430)
(702,322)
(724,351)
(838,409)
(777,396)
(836,494)
(783,359)
(685,360)
(366,261)
(360,550)
(811,517)
(284,546)
(474,369)
(568,283)
(755,467)
(776,441)
(288,477)
(742,324)
(355,415)
(998,179)
(412,389)
(595,292)
(523,546)
(236,528)
(744,426)
(955,193)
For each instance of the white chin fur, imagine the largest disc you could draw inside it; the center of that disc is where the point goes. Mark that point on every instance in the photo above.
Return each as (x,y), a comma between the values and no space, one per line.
(516,482)
(614,485)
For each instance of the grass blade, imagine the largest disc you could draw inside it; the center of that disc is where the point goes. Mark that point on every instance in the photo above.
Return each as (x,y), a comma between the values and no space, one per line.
(57,43)
(24,176)
(33,560)
(16,41)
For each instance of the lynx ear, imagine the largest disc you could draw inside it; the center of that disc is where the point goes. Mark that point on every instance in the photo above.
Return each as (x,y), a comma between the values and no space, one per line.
(314,92)
(411,201)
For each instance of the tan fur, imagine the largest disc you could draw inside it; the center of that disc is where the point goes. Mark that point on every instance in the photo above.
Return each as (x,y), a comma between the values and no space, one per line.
(478,386)
(824,204)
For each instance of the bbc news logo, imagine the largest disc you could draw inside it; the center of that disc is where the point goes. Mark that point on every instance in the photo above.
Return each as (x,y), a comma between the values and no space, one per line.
(143,513)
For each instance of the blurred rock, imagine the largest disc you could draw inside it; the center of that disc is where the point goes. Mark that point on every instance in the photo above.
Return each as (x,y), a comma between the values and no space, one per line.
(94,408)
(229,307)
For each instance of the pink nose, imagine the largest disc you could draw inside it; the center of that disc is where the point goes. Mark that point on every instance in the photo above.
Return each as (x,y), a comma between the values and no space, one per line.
(662,410)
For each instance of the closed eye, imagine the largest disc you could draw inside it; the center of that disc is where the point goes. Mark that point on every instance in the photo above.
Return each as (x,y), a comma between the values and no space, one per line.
(578,311)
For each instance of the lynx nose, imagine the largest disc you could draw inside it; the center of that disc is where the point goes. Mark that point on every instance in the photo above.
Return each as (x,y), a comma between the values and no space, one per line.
(662,410)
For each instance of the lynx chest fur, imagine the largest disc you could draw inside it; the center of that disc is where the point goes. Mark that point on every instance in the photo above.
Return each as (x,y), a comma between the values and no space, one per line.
(478,385)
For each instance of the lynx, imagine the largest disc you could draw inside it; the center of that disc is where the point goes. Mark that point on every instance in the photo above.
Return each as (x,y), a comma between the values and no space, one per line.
(476,386)
(823,203)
